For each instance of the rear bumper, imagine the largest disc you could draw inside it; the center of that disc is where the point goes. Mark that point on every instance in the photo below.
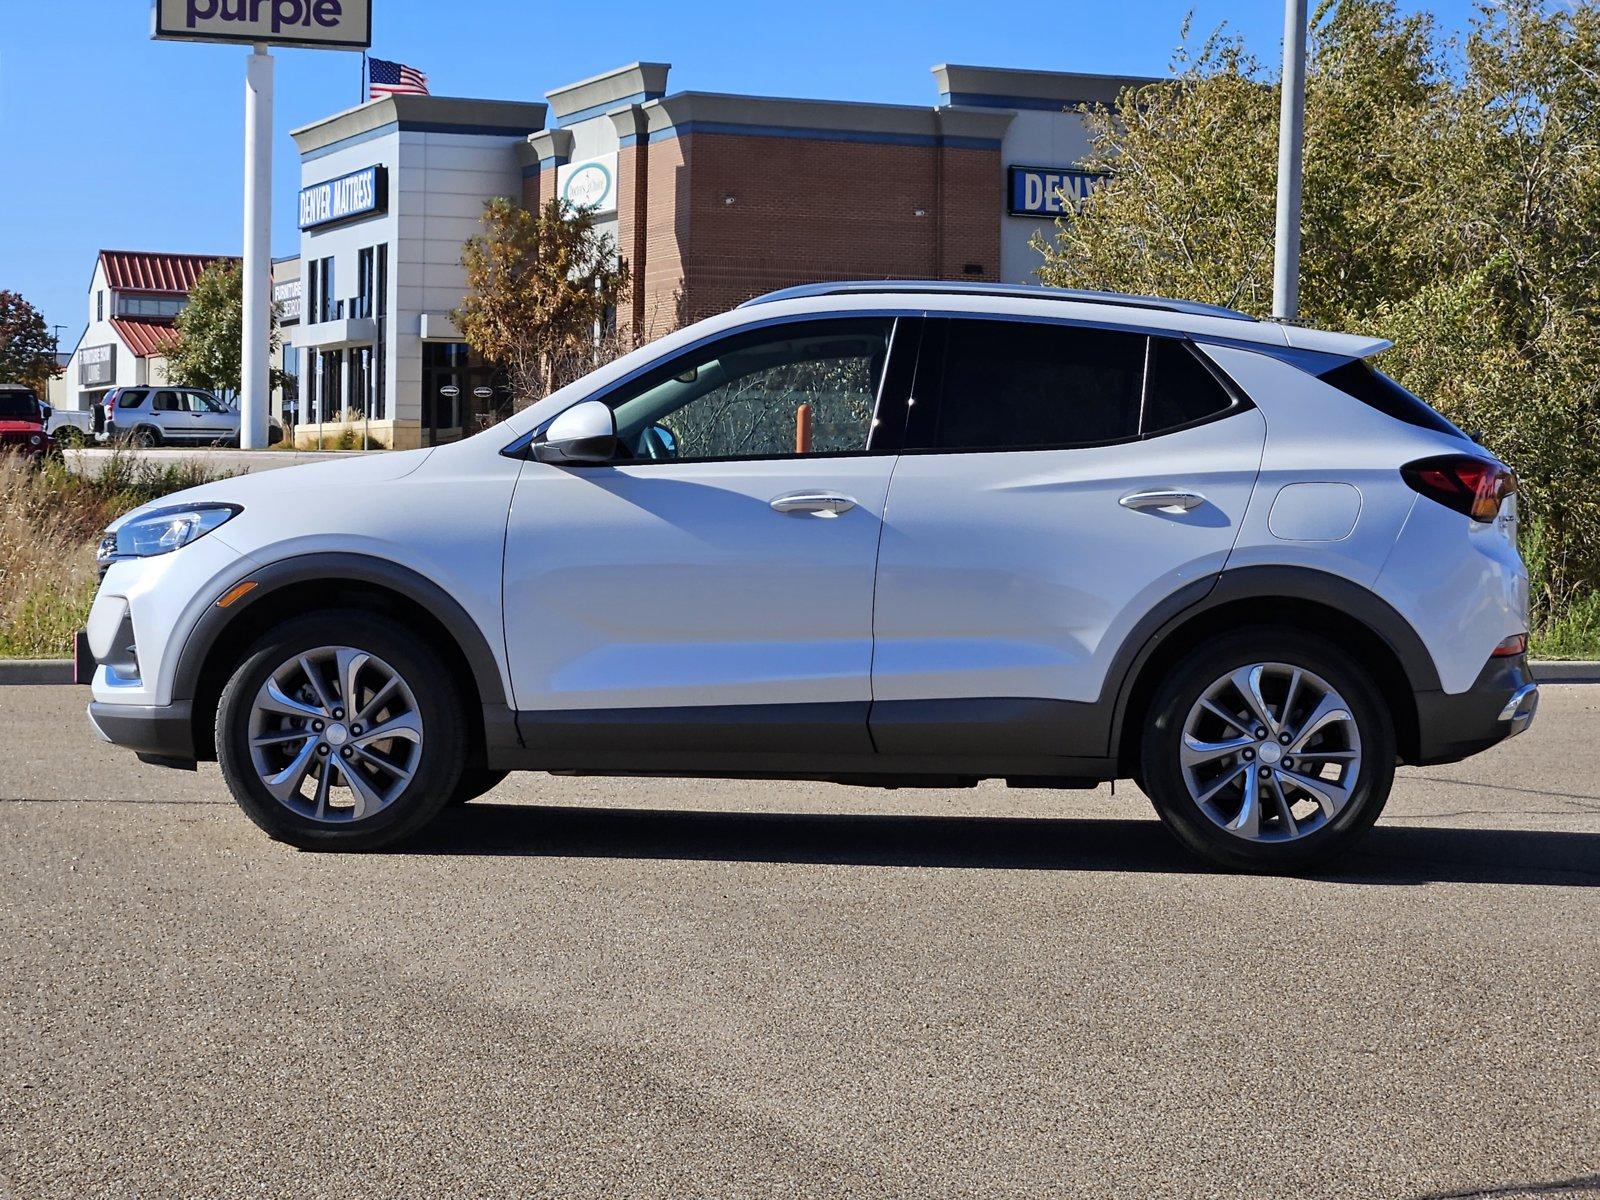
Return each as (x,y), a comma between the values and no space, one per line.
(160,730)
(1501,703)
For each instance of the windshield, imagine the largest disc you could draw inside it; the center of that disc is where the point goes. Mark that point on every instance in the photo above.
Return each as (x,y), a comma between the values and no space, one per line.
(18,406)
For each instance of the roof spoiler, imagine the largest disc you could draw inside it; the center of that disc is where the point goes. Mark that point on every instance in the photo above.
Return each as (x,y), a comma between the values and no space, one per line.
(1346,345)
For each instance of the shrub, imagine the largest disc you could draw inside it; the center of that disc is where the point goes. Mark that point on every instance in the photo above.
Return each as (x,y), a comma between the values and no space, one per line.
(50,520)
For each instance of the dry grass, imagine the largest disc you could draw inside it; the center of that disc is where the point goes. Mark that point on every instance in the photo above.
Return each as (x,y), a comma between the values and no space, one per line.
(50,520)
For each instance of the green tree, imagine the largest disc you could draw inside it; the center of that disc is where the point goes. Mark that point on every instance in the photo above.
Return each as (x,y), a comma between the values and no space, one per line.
(209,350)
(27,351)
(1452,194)
(541,286)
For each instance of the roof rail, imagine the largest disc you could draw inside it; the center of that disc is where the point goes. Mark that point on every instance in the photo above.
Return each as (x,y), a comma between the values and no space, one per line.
(1023,291)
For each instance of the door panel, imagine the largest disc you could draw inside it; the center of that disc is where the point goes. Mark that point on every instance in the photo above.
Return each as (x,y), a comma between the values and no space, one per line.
(1015,563)
(1018,573)
(726,556)
(211,424)
(680,584)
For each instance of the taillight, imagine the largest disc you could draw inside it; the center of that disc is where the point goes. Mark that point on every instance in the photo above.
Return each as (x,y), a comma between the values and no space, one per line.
(1471,485)
(1510,647)
(111,403)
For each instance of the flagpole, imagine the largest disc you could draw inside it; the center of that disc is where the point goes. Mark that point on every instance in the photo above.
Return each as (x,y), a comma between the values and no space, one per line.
(363,99)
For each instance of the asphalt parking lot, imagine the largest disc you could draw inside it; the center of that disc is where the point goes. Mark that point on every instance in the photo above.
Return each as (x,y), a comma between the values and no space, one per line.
(647,988)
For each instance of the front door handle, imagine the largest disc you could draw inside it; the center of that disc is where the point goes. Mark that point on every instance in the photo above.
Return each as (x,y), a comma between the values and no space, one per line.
(1163,500)
(823,504)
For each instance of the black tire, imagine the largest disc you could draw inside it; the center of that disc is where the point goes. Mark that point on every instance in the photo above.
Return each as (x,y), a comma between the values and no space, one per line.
(438,770)
(475,782)
(1162,774)
(144,437)
(68,437)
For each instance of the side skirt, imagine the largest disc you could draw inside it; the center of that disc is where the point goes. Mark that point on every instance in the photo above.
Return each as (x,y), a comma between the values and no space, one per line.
(911,743)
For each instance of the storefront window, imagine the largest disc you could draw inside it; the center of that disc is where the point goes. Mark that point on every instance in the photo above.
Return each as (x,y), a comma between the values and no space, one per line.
(329,391)
(363,305)
(319,291)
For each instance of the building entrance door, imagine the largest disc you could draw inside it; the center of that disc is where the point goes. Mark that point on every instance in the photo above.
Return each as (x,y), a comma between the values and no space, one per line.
(461,394)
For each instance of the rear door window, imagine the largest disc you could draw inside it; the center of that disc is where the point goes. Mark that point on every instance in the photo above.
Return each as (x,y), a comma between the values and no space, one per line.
(167,402)
(1012,385)
(1020,385)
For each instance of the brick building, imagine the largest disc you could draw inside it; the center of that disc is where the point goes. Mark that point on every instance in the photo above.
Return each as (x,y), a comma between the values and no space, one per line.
(710,198)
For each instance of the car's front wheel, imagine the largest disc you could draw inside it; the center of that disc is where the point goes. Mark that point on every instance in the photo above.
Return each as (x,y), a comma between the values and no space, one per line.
(1267,751)
(341,731)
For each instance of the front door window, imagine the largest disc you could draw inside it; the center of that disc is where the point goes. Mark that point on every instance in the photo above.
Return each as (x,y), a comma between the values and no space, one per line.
(808,387)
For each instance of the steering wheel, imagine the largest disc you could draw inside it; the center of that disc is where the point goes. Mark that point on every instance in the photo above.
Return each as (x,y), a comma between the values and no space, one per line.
(657,443)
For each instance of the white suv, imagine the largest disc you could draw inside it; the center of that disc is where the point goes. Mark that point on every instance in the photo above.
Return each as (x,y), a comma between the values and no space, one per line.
(908,534)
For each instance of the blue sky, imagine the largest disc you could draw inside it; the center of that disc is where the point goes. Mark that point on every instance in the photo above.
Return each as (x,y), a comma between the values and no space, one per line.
(108,139)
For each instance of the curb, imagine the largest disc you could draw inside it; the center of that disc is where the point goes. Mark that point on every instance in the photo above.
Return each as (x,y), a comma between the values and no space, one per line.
(59,670)
(35,670)
(1566,672)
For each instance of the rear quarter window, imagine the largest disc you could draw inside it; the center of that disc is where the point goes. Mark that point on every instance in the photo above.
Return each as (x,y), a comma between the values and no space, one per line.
(131,399)
(1179,389)
(1360,380)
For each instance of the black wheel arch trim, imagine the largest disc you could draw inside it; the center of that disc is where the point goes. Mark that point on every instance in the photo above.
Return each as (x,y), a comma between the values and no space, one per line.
(1232,585)
(341,567)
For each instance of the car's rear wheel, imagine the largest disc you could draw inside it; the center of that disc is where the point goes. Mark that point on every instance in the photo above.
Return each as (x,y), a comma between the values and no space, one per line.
(69,437)
(144,437)
(341,731)
(1267,751)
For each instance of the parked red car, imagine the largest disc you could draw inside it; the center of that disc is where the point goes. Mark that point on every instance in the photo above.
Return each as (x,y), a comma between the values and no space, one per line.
(22,422)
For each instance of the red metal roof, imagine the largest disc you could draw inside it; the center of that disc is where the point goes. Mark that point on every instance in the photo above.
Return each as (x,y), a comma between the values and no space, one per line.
(135,271)
(145,338)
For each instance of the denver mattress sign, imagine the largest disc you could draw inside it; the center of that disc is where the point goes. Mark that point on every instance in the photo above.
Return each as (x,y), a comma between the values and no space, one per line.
(359,194)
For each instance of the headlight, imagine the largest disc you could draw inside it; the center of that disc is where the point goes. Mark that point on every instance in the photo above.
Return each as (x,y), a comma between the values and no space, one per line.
(35,440)
(163,531)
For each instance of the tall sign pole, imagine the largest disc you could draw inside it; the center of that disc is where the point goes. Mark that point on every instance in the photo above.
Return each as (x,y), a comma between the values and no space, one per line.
(1291,142)
(255,359)
(313,24)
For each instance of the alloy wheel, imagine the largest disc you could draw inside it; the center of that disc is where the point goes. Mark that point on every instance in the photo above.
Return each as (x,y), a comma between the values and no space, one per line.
(1270,752)
(335,734)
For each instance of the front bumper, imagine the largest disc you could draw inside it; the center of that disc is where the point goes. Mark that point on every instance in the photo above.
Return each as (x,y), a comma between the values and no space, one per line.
(163,731)
(1501,703)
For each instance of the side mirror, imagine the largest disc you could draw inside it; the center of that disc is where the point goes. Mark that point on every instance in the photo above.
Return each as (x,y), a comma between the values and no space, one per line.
(45,413)
(585,433)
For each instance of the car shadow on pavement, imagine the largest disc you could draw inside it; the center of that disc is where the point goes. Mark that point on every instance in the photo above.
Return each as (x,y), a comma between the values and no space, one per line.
(1404,854)
(1553,1187)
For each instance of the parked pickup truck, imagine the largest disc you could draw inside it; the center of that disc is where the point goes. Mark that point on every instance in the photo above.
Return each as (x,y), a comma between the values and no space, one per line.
(22,421)
(69,426)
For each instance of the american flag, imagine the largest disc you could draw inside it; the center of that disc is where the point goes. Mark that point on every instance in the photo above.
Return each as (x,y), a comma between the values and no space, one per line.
(394,79)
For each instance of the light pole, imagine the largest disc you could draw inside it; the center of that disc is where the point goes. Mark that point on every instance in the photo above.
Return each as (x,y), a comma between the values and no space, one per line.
(255,365)
(1291,139)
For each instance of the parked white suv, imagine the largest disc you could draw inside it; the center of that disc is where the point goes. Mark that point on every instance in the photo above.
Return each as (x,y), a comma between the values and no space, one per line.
(903,534)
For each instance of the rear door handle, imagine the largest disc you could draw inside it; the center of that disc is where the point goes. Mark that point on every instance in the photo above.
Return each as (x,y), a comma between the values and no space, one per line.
(1163,500)
(823,504)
